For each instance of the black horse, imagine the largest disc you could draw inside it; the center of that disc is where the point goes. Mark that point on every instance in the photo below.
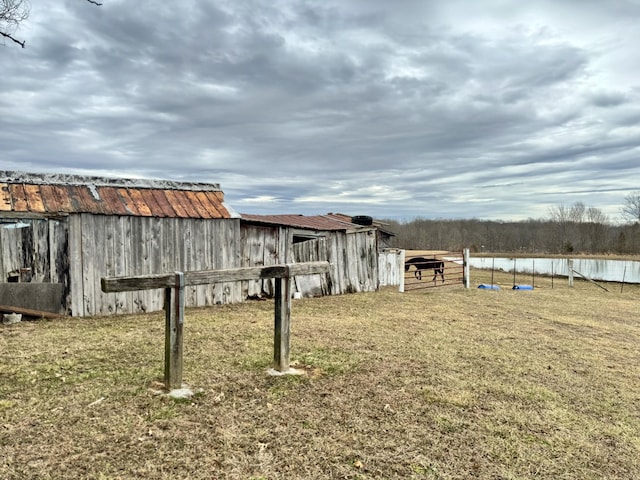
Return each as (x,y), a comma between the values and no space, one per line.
(422,263)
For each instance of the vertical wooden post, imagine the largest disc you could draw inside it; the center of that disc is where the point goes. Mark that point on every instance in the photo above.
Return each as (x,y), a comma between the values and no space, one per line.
(570,268)
(465,268)
(533,273)
(282,323)
(174,321)
(493,267)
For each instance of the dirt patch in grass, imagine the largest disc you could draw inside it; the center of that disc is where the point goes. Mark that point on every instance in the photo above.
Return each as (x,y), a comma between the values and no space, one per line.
(437,384)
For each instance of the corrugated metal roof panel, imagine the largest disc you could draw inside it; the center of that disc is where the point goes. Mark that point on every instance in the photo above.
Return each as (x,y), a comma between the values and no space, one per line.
(311,222)
(63,194)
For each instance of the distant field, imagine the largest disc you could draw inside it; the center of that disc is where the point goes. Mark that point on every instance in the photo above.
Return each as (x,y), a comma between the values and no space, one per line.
(437,384)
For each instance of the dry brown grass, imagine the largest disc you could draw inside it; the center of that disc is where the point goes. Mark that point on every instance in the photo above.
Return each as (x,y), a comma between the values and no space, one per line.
(436,384)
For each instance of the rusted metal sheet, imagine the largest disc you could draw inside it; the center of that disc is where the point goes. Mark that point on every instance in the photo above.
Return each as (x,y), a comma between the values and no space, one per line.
(55,194)
(19,198)
(163,203)
(312,222)
(48,195)
(77,205)
(88,201)
(181,212)
(141,206)
(111,198)
(195,204)
(204,201)
(187,203)
(216,202)
(62,199)
(34,199)
(5,198)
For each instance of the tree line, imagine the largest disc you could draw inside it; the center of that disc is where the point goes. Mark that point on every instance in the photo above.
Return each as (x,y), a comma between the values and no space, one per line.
(575,229)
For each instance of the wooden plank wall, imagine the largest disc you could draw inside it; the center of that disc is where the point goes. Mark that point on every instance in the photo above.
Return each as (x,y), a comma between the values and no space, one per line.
(80,249)
(354,263)
(261,246)
(359,262)
(310,251)
(353,257)
(128,245)
(390,266)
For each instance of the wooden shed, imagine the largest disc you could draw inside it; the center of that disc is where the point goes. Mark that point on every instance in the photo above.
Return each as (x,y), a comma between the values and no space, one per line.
(351,250)
(60,234)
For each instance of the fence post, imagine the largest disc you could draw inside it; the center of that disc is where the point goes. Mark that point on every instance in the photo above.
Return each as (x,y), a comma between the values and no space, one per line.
(465,268)
(570,268)
(282,323)
(401,259)
(174,321)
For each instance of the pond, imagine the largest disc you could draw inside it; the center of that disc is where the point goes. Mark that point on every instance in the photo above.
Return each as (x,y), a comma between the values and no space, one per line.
(596,269)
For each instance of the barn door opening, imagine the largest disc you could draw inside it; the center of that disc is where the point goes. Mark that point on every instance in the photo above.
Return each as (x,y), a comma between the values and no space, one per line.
(34,264)
(16,239)
(310,249)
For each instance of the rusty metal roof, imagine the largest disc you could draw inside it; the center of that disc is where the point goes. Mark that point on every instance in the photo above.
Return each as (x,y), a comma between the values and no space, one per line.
(65,194)
(309,222)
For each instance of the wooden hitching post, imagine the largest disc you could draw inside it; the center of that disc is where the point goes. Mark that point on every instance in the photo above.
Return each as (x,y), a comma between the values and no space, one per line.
(282,322)
(174,321)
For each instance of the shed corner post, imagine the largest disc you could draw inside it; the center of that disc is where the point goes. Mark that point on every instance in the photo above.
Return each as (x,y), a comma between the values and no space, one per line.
(174,321)
(282,322)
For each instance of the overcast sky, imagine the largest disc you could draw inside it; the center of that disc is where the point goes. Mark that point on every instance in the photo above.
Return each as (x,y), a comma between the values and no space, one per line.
(492,109)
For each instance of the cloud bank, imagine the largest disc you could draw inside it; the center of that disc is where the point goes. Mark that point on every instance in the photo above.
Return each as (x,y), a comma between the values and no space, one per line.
(402,110)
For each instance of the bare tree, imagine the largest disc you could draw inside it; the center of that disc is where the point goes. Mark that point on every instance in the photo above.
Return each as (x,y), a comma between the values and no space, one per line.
(597,228)
(631,208)
(13,13)
(577,212)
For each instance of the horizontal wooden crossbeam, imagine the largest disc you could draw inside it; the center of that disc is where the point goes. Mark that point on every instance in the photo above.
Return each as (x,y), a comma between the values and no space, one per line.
(204,277)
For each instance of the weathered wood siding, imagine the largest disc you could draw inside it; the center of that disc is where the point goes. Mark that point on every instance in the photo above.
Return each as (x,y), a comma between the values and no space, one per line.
(311,251)
(261,246)
(391,266)
(109,245)
(353,257)
(361,262)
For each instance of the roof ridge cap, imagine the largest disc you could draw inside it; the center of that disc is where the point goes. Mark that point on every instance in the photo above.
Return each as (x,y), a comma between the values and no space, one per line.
(71,179)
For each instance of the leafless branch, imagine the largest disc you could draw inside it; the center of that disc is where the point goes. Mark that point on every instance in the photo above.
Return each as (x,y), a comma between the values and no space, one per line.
(6,35)
(13,13)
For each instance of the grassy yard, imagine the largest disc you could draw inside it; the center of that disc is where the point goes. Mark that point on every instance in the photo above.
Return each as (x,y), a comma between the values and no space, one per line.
(436,384)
